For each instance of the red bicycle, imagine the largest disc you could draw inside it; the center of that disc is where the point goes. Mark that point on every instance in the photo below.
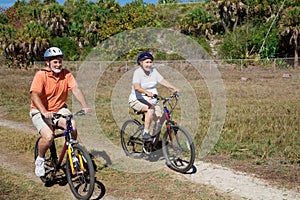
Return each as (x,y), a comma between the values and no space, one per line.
(78,165)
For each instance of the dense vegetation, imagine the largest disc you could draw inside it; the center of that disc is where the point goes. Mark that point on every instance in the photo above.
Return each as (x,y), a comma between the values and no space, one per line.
(245,28)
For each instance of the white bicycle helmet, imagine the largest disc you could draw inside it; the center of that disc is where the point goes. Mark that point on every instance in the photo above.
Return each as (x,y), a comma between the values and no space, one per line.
(52,52)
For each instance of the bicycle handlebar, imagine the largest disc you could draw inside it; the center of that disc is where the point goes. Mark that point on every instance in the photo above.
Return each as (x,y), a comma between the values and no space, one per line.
(166,99)
(78,113)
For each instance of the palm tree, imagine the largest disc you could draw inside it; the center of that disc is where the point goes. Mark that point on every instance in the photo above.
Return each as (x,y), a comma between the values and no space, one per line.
(231,13)
(32,40)
(289,26)
(196,23)
(55,18)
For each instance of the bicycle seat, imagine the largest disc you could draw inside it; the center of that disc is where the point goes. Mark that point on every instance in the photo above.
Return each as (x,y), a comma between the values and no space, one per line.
(139,112)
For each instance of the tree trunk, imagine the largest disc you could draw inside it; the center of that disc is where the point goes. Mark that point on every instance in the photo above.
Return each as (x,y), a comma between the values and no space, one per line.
(296,64)
(235,24)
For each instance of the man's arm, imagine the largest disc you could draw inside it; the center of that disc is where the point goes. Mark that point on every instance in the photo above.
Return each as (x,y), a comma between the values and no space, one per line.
(80,97)
(35,98)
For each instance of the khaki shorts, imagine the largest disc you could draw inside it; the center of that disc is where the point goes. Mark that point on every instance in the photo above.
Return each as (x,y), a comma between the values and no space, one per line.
(40,122)
(137,105)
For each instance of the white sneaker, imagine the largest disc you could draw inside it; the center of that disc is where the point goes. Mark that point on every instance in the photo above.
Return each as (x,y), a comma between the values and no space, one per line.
(39,166)
(146,136)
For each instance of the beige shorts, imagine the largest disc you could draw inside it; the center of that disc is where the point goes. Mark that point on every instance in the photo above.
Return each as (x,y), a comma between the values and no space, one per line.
(39,121)
(137,105)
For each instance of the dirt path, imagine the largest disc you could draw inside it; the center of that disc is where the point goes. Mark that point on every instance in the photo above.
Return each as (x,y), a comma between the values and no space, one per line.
(27,165)
(239,185)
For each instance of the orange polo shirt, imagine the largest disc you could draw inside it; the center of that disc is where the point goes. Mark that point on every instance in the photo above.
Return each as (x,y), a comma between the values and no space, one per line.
(53,90)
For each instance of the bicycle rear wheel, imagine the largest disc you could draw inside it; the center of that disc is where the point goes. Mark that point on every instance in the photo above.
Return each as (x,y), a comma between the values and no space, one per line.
(131,138)
(50,161)
(82,183)
(178,149)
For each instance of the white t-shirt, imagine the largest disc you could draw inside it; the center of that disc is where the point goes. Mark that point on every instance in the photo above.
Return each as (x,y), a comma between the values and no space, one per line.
(148,83)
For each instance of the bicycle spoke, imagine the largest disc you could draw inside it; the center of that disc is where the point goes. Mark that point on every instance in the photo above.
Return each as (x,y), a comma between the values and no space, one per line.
(178,149)
(131,141)
(82,182)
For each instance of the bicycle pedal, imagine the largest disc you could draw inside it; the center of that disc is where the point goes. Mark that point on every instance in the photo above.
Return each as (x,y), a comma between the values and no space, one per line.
(49,168)
(146,151)
(147,148)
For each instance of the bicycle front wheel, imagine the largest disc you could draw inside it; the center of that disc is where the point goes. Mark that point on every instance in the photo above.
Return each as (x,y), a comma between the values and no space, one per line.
(82,182)
(178,149)
(131,138)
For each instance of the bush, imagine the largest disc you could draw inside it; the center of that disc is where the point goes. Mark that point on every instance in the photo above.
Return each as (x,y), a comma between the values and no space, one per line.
(248,40)
(67,46)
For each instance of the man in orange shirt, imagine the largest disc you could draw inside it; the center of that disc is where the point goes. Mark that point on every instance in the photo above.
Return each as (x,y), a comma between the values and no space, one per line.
(49,92)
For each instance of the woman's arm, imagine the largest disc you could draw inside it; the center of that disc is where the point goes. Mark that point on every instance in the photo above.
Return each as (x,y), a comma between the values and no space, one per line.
(137,87)
(169,85)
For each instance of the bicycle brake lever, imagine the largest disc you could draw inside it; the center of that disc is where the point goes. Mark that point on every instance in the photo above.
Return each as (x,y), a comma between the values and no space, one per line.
(56,115)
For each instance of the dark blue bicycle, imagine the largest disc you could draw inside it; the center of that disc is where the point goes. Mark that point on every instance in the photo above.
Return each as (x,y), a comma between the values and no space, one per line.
(176,144)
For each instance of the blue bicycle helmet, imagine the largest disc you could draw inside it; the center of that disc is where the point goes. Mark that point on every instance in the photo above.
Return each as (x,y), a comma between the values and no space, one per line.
(52,52)
(144,56)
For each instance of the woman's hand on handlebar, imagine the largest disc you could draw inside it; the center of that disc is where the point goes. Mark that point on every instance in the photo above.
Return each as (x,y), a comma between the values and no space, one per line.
(176,90)
(149,94)
(87,110)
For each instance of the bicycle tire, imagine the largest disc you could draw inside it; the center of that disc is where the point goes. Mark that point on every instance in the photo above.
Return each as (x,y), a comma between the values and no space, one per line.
(50,161)
(82,183)
(178,149)
(131,138)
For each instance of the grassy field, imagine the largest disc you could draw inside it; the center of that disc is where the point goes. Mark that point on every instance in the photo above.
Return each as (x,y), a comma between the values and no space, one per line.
(262,120)
(260,135)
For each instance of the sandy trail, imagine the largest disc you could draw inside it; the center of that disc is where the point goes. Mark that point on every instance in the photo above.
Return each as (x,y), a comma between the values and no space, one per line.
(237,184)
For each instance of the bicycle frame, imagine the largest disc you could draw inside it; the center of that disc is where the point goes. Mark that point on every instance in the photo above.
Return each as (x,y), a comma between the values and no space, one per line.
(176,144)
(79,168)
(166,113)
(168,120)
(68,146)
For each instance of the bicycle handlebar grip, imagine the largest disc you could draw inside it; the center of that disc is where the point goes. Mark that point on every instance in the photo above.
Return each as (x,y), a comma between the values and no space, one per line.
(176,94)
(80,113)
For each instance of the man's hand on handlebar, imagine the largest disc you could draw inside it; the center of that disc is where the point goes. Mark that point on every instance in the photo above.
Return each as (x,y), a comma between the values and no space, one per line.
(48,115)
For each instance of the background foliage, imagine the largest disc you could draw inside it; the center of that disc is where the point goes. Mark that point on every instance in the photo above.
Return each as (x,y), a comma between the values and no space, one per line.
(242,28)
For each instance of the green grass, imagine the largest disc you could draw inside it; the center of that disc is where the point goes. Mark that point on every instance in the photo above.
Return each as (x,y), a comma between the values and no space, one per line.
(261,127)
(262,118)
(154,185)
(15,186)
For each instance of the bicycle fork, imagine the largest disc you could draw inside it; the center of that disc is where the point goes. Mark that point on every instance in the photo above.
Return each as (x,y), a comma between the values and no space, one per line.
(169,123)
(74,160)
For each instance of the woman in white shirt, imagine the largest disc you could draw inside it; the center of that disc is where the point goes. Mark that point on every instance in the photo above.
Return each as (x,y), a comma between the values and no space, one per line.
(144,87)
